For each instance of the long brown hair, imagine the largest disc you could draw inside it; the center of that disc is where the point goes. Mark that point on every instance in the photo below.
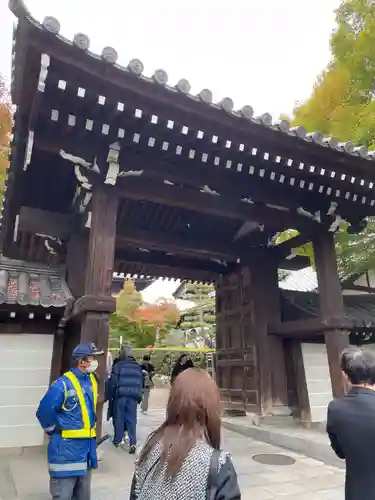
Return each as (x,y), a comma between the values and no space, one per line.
(193,413)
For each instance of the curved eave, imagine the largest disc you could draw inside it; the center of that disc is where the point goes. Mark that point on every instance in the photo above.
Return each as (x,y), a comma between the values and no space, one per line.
(221,114)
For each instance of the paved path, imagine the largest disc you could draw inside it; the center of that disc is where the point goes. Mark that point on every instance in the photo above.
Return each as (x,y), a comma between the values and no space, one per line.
(303,480)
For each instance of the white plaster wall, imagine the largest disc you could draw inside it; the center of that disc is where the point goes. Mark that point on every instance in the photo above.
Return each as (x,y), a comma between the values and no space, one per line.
(25,367)
(318,380)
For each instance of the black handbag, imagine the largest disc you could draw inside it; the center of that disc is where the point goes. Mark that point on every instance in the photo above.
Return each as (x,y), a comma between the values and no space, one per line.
(212,485)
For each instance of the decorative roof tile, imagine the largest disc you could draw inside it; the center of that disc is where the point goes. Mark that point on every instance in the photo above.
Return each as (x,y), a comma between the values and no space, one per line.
(28,284)
(135,67)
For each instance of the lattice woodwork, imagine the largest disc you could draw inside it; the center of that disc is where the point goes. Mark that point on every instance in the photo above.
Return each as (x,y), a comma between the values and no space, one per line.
(235,344)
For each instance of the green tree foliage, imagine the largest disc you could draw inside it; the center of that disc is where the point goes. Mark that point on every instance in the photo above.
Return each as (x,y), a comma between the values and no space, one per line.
(138,323)
(123,322)
(128,300)
(303,250)
(201,317)
(342,105)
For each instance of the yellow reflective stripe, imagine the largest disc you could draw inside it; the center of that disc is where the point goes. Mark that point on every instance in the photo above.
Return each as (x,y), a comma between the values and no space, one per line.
(86,430)
(79,433)
(94,385)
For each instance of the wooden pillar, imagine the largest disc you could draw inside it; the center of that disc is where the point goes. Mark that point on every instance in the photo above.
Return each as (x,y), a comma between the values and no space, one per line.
(260,332)
(331,306)
(297,388)
(276,345)
(270,351)
(96,305)
(57,356)
(77,250)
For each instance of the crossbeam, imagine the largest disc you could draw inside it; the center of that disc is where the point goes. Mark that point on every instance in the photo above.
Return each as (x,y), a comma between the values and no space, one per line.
(221,206)
(309,326)
(56,225)
(177,243)
(34,220)
(159,259)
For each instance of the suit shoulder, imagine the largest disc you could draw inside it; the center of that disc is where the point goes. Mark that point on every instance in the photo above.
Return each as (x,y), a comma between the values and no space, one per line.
(335,404)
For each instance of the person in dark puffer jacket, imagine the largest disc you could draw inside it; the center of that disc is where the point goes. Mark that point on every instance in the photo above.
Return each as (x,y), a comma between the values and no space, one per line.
(125,389)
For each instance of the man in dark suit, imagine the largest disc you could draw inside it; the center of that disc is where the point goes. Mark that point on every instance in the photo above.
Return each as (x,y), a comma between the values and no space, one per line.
(351,423)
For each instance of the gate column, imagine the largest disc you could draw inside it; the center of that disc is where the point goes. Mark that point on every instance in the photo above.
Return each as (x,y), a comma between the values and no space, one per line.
(331,306)
(97,304)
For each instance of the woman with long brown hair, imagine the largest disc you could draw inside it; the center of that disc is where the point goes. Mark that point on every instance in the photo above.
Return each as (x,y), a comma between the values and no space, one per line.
(182,458)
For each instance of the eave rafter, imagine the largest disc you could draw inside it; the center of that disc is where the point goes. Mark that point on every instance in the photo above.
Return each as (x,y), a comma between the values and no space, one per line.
(200,251)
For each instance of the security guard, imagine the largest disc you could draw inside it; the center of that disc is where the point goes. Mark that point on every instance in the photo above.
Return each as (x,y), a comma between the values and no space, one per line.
(67,414)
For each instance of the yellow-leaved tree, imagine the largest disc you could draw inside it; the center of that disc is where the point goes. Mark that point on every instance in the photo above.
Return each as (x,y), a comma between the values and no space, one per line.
(5,130)
(342,105)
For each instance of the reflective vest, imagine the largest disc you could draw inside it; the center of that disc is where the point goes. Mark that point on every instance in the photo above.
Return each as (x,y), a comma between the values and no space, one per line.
(86,431)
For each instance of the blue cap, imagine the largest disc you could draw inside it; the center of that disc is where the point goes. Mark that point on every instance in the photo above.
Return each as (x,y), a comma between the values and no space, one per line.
(84,350)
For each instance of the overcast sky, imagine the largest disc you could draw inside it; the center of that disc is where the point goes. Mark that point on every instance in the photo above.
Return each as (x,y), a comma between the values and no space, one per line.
(266,53)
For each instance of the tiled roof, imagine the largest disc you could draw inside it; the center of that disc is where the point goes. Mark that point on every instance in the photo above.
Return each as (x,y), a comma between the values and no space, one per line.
(304,280)
(135,68)
(29,284)
(359,308)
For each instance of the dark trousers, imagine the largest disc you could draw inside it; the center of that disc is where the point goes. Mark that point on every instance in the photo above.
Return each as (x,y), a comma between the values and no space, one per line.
(71,488)
(125,419)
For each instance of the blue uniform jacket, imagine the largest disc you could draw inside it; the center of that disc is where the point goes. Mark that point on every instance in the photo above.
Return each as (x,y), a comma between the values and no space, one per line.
(68,457)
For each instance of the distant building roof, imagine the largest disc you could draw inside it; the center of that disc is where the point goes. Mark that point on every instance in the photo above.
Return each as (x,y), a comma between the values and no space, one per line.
(140,283)
(359,308)
(29,284)
(304,280)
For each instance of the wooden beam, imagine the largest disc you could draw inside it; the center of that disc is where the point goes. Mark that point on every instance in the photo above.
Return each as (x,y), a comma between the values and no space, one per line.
(221,206)
(227,204)
(157,165)
(184,171)
(178,243)
(150,259)
(359,288)
(313,326)
(298,262)
(36,221)
(160,271)
(61,226)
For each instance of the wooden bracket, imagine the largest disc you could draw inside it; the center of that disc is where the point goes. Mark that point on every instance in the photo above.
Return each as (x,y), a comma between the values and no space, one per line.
(92,303)
(66,317)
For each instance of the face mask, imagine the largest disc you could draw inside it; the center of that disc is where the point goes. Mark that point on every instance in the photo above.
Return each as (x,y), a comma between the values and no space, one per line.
(93,366)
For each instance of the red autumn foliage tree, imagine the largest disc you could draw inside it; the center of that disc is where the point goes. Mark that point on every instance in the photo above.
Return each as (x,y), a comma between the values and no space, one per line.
(163,315)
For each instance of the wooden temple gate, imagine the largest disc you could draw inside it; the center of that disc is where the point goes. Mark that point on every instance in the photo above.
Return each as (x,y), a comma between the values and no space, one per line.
(114,171)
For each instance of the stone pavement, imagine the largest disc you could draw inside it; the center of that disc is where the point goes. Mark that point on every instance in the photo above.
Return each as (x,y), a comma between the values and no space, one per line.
(306,478)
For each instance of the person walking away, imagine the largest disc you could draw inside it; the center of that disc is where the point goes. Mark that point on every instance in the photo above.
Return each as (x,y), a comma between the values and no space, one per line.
(67,413)
(109,363)
(125,391)
(182,363)
(182,458)
(148,373)
(350,423)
